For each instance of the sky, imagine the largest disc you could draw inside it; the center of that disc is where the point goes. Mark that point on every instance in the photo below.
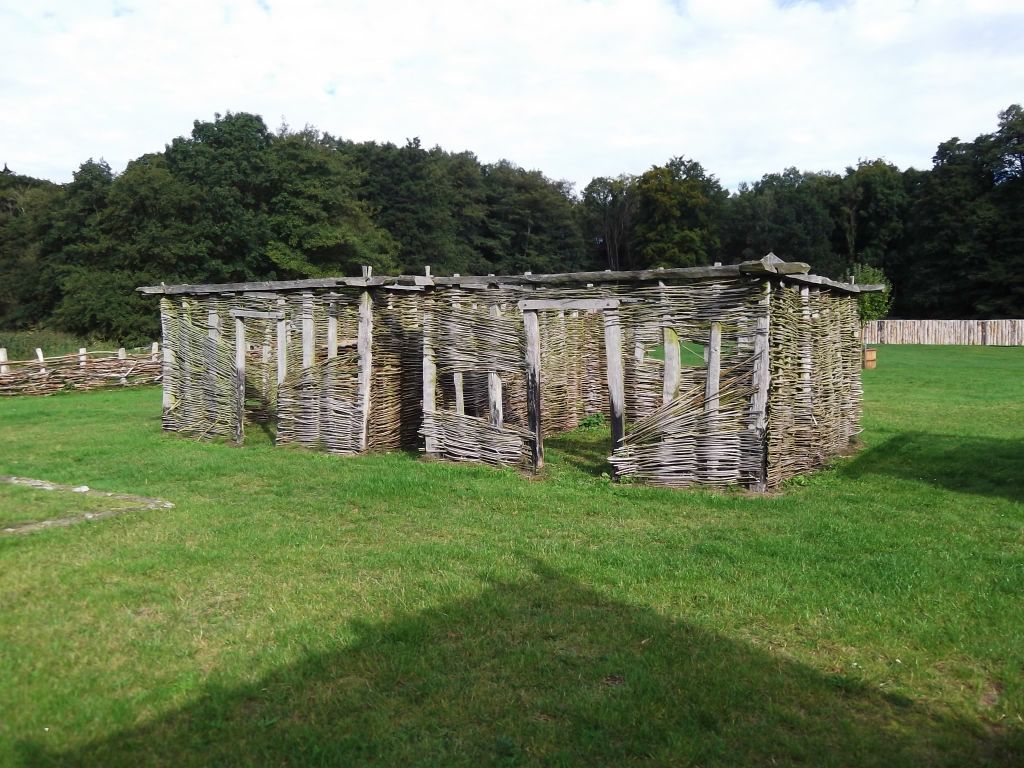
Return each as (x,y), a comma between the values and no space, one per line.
(575,88)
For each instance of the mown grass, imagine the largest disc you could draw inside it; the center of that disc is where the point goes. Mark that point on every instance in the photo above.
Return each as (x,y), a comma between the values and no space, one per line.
(303,609)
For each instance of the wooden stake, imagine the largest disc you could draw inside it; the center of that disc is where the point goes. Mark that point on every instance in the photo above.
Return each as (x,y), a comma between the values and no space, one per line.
(673,364)
(154,351)
(494,386)
(531,325)
(762,382)
(308,332)
(365,349)
(39,356)
(83,355)
(4,369)
(714,368)
(213,326)
(616,386)
(429,382)
(460,395)
(332,335)
(282,351)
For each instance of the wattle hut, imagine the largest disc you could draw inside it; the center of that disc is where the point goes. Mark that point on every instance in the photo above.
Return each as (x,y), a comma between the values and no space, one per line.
(742,374)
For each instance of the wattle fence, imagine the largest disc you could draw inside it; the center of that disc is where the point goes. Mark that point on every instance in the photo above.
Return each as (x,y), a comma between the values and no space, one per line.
(44,375)
(990,333)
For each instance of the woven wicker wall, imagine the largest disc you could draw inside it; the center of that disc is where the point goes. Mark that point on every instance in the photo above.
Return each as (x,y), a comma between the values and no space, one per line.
(813,407)
(815,398)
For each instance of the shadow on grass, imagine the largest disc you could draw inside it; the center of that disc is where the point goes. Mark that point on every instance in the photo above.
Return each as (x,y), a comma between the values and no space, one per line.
(984,466)
(545,672)
(586,449)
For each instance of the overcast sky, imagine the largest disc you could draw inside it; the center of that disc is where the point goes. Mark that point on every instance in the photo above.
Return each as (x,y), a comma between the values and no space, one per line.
(576,89)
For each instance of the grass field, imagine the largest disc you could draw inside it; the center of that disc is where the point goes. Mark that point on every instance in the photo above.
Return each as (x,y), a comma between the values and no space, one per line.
(303,609)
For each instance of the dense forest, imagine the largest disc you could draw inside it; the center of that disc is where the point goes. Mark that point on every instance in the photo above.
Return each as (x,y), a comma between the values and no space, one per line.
(237,201)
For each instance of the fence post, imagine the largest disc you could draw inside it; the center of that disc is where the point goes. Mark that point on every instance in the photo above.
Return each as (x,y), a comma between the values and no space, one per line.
(154,351)
(39,356)
(4,369)
(122,355)
(83,355)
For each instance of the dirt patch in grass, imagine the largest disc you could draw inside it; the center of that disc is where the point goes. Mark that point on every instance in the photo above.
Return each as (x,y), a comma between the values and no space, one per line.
(28,505)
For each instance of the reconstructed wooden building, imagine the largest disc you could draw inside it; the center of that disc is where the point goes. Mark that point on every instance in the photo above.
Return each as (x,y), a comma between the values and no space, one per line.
(728,375)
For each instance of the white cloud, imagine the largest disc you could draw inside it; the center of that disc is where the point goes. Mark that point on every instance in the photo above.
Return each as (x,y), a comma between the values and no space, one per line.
(575,88)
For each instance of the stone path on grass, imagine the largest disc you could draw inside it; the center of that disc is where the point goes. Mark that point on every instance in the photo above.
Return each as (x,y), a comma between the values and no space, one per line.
(135,504)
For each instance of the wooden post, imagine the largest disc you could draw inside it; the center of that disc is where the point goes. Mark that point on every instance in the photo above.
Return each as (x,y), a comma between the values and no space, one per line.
(213,326)
(240,372)
(240,348)
(332,333)
(759,401)
(365,349)
(429,381)
(122,355)
(494,385)
(308,332)
(714,368)
(282,350)
(83,355)
(673,364)
(616,386)
(4,369)
(41,359)
(167,368)
(154,351)
(531,324)
(460,394)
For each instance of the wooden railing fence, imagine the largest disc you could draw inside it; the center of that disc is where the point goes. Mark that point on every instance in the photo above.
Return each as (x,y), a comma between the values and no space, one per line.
(83,370)
(991,333)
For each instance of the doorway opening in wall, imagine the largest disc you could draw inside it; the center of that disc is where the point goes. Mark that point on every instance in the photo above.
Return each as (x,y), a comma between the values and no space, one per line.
(260,342)
(574,389)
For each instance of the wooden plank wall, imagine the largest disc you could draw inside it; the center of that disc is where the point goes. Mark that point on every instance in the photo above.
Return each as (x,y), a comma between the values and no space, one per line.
(991,333)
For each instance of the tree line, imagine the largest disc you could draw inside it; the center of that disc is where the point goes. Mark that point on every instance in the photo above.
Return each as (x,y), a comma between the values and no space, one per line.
(236,201)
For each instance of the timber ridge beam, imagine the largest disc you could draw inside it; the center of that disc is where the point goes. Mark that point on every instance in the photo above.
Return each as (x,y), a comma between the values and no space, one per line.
(772,268)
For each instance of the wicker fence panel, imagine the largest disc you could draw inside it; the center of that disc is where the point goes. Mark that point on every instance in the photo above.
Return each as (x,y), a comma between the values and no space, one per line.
(993,333)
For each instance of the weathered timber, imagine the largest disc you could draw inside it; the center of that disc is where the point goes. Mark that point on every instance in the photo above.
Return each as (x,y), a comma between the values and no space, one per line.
(616,386)
(494,402)
(531,324)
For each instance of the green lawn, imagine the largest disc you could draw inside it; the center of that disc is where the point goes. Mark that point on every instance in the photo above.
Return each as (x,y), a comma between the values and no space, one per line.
(303,609)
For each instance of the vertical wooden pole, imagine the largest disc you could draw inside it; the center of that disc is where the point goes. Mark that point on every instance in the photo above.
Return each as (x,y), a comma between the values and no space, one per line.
(531,324)
(616,386)
(122,355)
(494,385)
(4,369)
(714,368)
(332,332)
(154,351)
(213,326)
(240,347)
(460,394)
(673,364)
(429,381)
(83,356)
(41,359)
(762,382)
(308,332)
(282,350)
(365,350)
(240,373)
(166,372)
